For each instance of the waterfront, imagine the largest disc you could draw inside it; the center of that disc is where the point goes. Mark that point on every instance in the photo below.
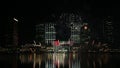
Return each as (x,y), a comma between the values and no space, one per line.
(60,60)
(60,34)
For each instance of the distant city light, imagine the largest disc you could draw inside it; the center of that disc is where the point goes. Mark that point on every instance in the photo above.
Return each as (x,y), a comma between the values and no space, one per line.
(85,27)
(15,19)
(76,28)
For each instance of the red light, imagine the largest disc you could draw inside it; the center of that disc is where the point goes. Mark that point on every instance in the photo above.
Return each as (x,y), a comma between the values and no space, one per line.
(56,43)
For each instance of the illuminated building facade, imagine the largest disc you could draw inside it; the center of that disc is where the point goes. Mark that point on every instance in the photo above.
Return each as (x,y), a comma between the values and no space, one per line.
(85,33)
(50,33)
(45,33)
(74,22)
(75,32)
(68,28)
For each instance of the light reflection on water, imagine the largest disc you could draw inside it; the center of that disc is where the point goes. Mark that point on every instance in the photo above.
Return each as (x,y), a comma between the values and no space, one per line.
(52,60)
(60,60)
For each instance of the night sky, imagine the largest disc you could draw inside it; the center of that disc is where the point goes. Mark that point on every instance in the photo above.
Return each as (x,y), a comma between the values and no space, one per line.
(33,12)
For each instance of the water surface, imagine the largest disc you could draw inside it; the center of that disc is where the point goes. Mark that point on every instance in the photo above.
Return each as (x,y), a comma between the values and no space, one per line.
(60,60)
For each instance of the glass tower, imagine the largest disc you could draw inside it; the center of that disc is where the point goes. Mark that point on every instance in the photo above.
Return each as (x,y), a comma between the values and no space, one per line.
(50,33)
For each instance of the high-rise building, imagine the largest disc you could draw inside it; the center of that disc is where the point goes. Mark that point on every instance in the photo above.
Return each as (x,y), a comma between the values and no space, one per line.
(108,30)
(85,33)
(40,33)
(74,22)
(75,32)
(11,33)
(69,27)
(50,33)
(45,33)
(15,32)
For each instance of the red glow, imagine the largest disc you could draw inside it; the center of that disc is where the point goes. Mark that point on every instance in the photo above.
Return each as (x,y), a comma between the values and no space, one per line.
(56,43)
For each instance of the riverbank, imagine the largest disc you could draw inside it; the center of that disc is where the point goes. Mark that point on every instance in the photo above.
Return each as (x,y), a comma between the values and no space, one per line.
(43,50)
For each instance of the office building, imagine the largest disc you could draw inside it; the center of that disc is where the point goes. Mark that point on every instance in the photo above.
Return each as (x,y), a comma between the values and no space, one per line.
(45,33)
(50,33)
(85,33)
(108,30)
(40,33)
(74,22)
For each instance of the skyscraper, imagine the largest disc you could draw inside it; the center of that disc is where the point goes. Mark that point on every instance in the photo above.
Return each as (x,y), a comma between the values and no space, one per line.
(69,27)
(75,32)
(11,33)
(73,22)
(108,30)
(40,33)
(15,32)
(85,33)
(50,33)
(45,33)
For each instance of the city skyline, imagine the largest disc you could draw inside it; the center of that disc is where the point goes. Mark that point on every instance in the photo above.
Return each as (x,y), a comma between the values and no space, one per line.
(27,34)
(60,34)
(33,13)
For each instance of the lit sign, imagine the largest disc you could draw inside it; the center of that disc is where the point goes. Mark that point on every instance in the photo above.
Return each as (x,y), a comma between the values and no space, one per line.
(56,43)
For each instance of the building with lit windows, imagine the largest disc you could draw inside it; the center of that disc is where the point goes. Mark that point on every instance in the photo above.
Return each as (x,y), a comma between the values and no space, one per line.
(75,32)
(74,22)
(85,33)
(45,33)
(69,27)
(108,30)
(40,33)
(50,33)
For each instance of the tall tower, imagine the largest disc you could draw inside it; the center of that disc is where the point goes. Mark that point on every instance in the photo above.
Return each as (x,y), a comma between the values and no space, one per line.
(15,32)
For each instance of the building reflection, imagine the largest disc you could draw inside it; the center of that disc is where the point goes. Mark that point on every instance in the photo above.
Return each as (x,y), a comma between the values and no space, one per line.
(35,59)
(65,60)
(94,60)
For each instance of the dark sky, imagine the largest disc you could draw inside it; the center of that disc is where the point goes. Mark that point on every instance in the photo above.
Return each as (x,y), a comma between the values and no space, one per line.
(38,11)
(44,7)
(30,12)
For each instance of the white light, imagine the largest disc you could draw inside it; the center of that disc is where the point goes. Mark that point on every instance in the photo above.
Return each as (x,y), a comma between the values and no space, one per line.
(15,19)
(76,28)
(85,27)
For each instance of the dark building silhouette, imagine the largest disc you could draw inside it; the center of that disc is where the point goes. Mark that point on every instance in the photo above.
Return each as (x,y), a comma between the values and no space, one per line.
(108,30)
(15,33)
(11,33)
